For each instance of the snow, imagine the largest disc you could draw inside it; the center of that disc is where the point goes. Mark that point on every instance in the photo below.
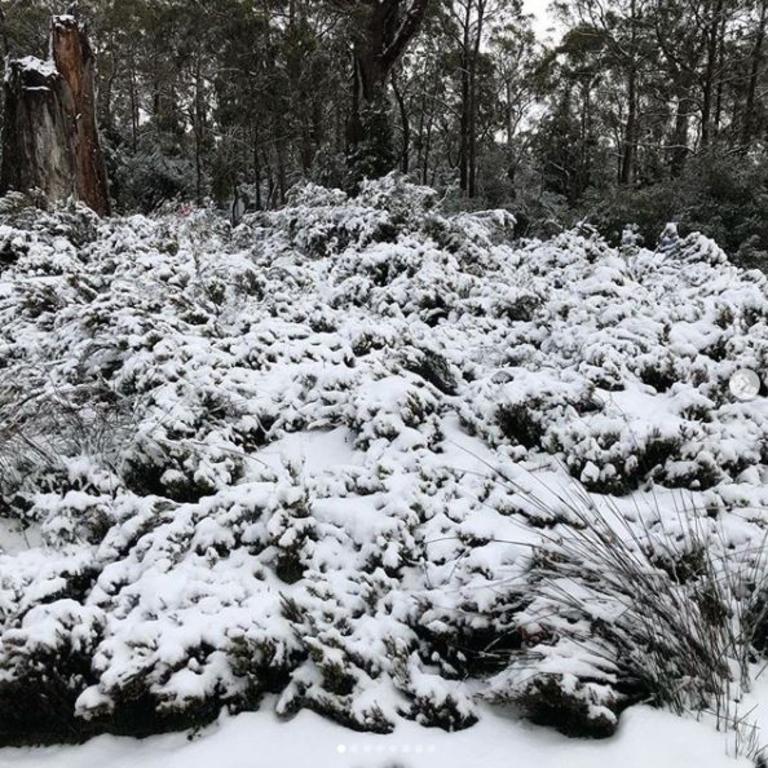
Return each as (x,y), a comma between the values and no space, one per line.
(44,68)
(647,737)
(281,464)
(320,451)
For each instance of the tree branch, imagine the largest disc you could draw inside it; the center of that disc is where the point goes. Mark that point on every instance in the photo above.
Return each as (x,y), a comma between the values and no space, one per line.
(408,28)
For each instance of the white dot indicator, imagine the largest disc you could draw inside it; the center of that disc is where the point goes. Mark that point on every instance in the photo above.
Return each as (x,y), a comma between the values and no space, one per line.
(341,749)
(744,384)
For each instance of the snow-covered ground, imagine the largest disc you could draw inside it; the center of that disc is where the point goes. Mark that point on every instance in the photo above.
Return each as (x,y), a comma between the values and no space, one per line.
(646,738)
(363,460)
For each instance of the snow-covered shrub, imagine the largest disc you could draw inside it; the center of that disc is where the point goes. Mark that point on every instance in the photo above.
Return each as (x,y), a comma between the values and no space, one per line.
(46,663)
(668,612)
(261,460)
(49,431)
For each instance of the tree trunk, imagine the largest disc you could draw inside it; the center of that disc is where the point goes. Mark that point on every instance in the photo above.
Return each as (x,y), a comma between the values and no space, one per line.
(584,173)
(106,88)
(473,106)
(427,148)
(50,140)
(709,75)
(270,182)
(405,124)
(382,30)
(464,120)
(756,57)
(4,34)
(629,156)
(134,106)
(36,134)
(720,79)
(683,112)
(74,59)
(256,165)
(630,131)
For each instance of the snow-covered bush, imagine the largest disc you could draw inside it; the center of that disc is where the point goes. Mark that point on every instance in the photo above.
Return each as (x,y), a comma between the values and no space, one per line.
(262,460)
(658,610)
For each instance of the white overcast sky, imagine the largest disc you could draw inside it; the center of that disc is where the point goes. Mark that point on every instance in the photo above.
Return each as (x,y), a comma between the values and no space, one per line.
(539,9)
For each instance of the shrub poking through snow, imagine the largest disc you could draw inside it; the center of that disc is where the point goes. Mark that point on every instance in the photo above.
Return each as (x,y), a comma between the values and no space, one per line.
(665,611)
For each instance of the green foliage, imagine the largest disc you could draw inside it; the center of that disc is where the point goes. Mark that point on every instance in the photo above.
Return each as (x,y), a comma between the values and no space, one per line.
(156,173)
(725,198)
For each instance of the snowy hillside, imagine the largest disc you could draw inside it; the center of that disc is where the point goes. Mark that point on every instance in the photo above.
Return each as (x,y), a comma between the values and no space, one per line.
(353,458)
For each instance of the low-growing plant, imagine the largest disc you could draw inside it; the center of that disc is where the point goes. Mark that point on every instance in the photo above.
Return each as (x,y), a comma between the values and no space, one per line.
(664,609)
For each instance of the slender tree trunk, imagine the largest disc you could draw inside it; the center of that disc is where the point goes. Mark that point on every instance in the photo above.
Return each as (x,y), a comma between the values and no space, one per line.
(270,182)
(4,34)
(630,131)
(256,166)
(420,133)
(405,124)
(473,105)
(720,79)
(427,149)
(282,183)
(465,87)
(106,87)
(339,132)
(134,106)
(683,111)
(318,127)
(629,157)
(756,57)
(585,130)
(709,74)
(199,127)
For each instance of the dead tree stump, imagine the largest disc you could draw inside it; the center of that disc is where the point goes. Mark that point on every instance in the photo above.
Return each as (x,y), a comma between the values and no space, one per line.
(36,150)
(50,139)
(73,58)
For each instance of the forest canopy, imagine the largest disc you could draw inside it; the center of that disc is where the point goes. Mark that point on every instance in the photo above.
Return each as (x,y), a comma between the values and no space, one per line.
(634,112)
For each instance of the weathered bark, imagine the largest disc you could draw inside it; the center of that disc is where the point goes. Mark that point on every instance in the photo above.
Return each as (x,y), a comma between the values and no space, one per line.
(50,141)
(36,148)
(74,59)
